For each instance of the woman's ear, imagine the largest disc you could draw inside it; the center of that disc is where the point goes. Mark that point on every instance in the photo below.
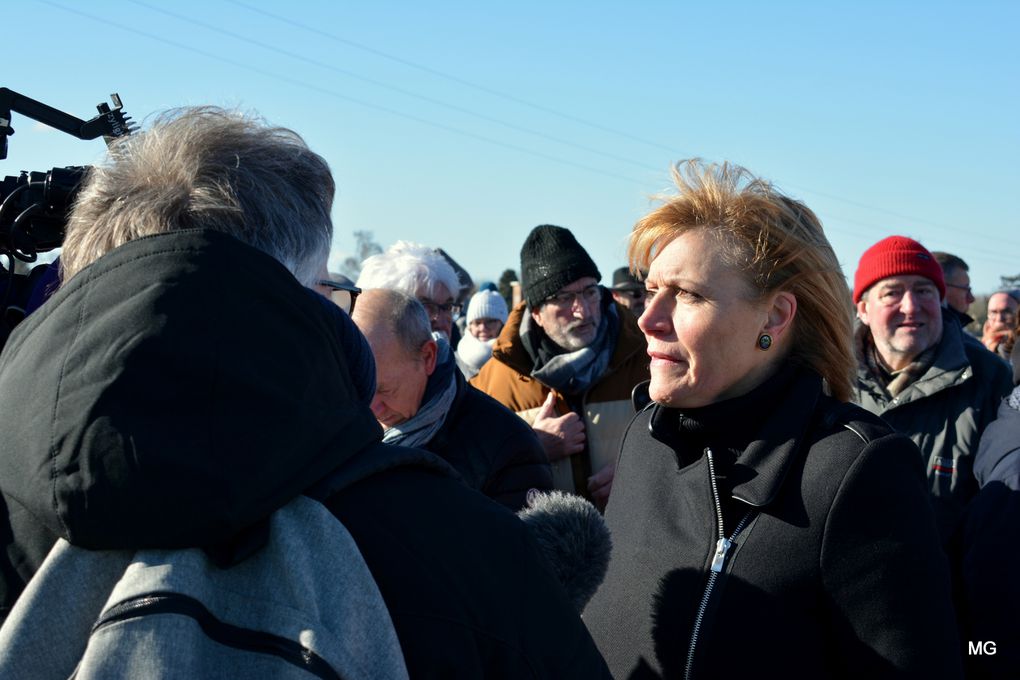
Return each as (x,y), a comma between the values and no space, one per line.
(781,310)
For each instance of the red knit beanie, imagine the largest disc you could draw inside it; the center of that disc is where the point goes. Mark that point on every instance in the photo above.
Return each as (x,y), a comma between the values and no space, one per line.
(896,256)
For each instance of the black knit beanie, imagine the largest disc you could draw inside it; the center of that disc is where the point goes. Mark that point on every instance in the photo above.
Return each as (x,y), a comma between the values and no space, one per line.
(550,259)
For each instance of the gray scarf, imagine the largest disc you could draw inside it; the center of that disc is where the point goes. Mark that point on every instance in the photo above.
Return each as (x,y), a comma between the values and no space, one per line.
(572,372)
(419,429)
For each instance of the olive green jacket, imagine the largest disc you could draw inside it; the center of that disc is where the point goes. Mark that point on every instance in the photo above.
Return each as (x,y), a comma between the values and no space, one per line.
(944,412)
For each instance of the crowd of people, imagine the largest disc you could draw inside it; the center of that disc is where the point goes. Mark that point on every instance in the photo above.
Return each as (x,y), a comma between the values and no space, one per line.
(799,478)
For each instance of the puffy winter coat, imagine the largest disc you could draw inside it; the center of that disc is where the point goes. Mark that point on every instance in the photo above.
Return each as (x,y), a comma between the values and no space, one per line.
(779,534)
(944,412)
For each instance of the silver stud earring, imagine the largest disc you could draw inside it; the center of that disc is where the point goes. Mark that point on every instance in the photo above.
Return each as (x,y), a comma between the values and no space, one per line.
(764,341)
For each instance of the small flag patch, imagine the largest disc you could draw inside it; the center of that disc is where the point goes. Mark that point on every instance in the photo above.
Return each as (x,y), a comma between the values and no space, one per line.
(945,467)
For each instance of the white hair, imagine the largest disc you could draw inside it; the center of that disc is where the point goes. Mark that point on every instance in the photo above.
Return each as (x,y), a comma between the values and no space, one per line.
(409,267)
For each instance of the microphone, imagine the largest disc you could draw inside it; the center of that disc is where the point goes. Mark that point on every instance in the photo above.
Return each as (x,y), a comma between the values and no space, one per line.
(574,538)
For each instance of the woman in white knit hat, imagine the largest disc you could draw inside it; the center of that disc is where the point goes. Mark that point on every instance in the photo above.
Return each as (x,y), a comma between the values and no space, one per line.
(486,314)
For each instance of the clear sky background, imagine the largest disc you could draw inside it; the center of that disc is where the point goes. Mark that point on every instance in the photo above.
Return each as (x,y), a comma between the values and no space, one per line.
(464,124)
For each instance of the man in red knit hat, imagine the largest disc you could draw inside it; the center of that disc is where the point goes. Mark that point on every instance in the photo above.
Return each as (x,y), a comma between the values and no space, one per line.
(914,369)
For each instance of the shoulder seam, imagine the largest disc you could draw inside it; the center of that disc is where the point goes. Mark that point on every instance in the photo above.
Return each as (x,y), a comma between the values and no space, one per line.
(856,432)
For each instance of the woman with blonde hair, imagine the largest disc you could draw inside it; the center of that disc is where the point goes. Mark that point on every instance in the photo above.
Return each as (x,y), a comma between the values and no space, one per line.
(761,524)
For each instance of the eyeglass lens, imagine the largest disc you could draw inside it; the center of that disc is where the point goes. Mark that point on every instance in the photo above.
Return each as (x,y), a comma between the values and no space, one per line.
(343,299)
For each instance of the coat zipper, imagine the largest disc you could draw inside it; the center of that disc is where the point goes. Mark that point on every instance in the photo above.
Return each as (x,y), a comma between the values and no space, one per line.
(722,547)
(243,639)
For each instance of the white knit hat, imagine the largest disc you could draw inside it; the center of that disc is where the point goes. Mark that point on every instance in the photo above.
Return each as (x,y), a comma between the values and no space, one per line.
(486,304)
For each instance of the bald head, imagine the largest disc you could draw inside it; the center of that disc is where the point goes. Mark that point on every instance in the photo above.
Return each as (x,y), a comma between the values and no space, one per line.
(384,313)
(1002,311)
(397,329)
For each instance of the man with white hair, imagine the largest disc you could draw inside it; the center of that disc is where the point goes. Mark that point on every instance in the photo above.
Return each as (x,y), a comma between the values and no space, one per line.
(422,273)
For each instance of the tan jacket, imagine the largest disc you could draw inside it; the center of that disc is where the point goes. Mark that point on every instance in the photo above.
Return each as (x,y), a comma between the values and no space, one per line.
(607,405)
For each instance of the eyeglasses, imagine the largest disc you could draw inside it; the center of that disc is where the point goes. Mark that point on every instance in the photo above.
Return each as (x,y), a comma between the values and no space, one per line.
(566,299)
(966,288)
(434,309)
(343,295)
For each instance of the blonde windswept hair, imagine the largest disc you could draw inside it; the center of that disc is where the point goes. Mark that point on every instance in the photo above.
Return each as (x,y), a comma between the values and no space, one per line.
(776,242)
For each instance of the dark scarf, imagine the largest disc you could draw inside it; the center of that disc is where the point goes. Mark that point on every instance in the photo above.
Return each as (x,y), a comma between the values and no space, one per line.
(571,373)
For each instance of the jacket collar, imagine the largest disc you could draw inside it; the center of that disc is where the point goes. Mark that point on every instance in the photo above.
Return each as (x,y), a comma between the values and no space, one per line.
(772,439)
(950,367)
(768,457)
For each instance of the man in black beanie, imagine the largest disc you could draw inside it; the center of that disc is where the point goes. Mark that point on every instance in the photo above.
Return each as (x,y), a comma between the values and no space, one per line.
(567,361)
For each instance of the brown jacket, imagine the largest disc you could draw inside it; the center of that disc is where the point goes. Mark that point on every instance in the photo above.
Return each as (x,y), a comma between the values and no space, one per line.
(607,405)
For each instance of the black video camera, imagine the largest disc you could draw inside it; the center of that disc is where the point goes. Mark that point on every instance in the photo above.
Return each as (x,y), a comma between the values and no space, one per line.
(34,205)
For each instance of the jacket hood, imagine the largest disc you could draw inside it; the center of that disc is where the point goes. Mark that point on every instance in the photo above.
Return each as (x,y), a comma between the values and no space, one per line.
(174,392)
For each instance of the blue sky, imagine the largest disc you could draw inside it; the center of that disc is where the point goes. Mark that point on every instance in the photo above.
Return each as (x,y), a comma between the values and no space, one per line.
(462,125)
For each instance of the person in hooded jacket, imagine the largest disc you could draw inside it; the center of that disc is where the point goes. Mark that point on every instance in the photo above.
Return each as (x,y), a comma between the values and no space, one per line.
(762,526)
(184,383)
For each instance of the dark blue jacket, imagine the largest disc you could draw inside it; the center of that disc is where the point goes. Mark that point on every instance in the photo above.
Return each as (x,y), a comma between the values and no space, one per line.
(988,562)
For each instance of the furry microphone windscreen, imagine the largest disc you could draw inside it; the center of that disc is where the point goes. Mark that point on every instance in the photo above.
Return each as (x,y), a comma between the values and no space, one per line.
(572,535)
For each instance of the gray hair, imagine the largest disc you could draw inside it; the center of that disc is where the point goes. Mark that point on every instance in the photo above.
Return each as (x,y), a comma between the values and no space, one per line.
(208,168)
(400,315)
(409,267)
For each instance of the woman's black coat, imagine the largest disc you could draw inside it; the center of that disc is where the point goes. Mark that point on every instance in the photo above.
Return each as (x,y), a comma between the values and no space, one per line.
(837,572)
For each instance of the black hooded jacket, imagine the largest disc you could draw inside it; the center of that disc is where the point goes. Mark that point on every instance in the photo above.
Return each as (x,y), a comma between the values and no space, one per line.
(171,394)
(184,386)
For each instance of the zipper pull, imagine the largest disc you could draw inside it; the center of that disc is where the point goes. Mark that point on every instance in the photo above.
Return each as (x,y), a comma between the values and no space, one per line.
(722,546)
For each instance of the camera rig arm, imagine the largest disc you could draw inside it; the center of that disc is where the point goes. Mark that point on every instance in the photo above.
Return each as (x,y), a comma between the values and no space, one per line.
(109,123)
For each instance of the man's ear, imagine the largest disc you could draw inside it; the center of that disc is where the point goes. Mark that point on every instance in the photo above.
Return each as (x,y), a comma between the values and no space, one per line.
(862,309)
(429,354)
(781,310)
(536,317)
